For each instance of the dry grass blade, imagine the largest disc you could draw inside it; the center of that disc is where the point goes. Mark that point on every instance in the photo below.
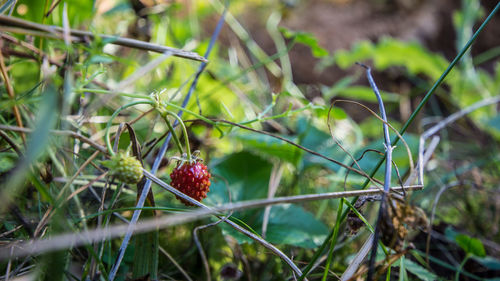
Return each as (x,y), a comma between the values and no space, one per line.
(169,257)
(358,259)
(10,92)
(274,181)
(63,241)
(59,132)
(22,26)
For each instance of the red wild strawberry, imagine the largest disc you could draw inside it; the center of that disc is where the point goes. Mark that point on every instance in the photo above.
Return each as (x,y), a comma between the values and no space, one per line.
(192,179)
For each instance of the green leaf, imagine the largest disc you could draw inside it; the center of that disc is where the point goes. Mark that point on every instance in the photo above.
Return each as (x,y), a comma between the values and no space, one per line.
(494,123)
(291,224)
(146,250)
(7,162)
(421,272)
(360,52)
(288,224)
(470,245)
(146,255)
(450,233)
(307,39)
(267,146)
(344,83)
(53,265)
(389,52)
(243,176)
(246,176)
(321,142)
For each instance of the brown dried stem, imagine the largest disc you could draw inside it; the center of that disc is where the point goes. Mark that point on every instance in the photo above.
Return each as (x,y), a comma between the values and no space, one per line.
(12,96)
(17,25)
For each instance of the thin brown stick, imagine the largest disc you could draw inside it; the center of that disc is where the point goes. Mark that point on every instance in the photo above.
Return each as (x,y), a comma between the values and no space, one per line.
(54,5)
(12,96)
(294,144)
(200,248)
(343,148)
(80,169)
(63,241)
(79,190)
(59,132)
(11,143)
(11,231)
(40,54)
(163,251)
(410,158)
(56,32)
(46,217)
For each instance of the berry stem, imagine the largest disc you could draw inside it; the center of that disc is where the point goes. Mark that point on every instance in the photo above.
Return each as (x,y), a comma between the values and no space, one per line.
(110,121)
(101,91)
(201,117)
(172,131)
(184,131)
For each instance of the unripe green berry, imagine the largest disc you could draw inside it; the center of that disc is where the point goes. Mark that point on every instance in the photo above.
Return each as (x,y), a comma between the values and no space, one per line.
(126,168)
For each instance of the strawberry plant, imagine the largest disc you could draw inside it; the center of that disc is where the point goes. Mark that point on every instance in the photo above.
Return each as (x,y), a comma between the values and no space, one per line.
(233,140)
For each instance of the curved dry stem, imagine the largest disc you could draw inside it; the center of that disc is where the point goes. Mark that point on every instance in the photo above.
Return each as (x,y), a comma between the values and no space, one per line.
(183,272)
(200,248)
(342,147)
(59,132)
(110,121)
(294,144)
(408,151)
(433,213)
(12,144)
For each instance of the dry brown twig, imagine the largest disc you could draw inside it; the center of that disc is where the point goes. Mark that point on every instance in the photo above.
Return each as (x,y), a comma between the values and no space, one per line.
(12,95)
(20,26)
(75,239)
(59,132)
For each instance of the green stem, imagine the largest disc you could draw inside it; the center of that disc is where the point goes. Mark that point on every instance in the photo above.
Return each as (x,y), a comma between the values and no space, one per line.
(184,131)
(388,275)
(284,114)
(100,91)
(165,103)
(110,121)
(334,240)
(365,221)
(457,275)
(201,117)
(172,131)
(150,101)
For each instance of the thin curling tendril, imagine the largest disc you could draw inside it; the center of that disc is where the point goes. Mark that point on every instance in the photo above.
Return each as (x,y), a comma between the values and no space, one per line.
(110,121)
